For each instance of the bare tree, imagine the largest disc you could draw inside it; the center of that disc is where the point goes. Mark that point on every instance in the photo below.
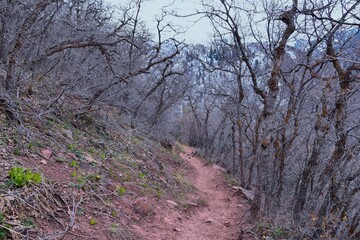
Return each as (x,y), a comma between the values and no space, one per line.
(291,79)
(78,50)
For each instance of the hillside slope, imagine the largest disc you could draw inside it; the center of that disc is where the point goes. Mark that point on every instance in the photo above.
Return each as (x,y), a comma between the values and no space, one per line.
(103,180)
(93,174)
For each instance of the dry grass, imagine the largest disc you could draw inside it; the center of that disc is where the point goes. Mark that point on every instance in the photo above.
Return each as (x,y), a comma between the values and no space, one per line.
(89,159)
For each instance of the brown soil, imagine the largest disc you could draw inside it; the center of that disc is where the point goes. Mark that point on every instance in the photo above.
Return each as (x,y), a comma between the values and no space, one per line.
(211,211)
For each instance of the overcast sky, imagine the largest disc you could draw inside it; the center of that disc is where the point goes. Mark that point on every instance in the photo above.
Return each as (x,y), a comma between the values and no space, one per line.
(198,32)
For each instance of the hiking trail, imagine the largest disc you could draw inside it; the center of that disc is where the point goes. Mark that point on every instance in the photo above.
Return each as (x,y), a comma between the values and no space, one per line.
(216,212)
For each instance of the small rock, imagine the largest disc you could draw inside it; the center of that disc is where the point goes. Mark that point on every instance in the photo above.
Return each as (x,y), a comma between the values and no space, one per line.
(208,220)
(176,229)
(241,206)
(136,228)
(135,219)
(72,156)
(227,224)
(98,144)
(163,179)
(193,204)
(220,168)
(179,216)
(166,220)
(171,204)
(242,192)
(68,134)
(43,162)
(89,158)
(111,187)
(46,153)
(142,207)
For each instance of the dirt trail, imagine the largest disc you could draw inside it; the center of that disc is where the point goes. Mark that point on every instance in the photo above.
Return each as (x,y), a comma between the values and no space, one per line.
(222,218)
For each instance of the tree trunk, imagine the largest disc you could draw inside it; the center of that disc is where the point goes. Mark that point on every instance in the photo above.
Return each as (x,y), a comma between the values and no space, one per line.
(268,113)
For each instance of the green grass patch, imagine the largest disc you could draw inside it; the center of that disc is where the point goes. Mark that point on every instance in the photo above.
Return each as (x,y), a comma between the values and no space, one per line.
(21,176)
(92,221)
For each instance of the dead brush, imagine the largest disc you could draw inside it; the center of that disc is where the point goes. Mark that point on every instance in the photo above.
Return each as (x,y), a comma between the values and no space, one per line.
(32,201)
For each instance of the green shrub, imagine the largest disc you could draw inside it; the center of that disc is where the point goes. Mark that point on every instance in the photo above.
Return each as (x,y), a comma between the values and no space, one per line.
(93,177)
(21,176)
(71,147)
(60,160)
(91,150)
(92,221)
(16,152)
(74,164)
(2,233)
(28,222)
(120,190)
(114,213)
(201,202)
(2,230)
